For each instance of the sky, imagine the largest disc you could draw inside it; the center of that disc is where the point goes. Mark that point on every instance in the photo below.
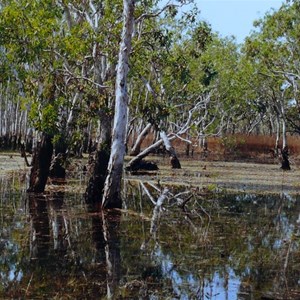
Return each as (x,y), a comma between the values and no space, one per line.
(234,17)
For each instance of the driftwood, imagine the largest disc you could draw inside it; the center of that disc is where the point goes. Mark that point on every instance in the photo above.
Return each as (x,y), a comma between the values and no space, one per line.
(134,163)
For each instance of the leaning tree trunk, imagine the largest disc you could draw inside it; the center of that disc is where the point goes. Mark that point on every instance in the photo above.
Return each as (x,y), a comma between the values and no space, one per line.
(134,163)
(175,163)
(112,188)
(40,164)
(137,146)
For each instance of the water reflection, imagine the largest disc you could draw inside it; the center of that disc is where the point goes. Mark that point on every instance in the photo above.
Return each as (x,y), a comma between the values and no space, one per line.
(48,225)
(221,246)
(39,227)
(110,226)
(106,240)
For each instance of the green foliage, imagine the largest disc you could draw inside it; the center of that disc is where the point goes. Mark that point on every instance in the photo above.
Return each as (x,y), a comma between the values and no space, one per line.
(274,54)
(201,36)
(27,28)
(45,118)
(77,43)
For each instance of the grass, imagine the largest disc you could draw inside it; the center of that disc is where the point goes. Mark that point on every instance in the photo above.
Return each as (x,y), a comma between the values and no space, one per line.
(241,147)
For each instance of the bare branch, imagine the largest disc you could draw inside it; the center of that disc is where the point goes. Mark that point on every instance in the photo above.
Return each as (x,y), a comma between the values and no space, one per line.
(153,15)
(287,73)
(148,86)
(147,193)
(85,79)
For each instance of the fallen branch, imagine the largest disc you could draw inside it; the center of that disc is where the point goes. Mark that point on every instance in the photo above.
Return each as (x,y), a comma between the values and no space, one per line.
(156,211)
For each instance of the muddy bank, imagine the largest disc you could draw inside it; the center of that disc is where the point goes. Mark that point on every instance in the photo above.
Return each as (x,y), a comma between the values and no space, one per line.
(236,176)
(231,175)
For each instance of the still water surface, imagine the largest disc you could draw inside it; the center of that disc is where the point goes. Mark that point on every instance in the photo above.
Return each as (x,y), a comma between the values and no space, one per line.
(221,246)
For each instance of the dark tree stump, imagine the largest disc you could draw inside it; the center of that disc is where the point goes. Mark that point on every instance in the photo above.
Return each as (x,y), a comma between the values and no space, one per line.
(57,170)
(285,163)
(175,163)
(40,164)
(142,165)
(94,190)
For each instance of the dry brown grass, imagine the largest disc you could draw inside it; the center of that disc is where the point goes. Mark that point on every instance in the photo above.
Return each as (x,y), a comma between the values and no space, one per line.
(257,148)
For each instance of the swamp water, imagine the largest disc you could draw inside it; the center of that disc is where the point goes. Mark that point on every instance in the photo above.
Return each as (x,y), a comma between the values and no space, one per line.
(221,246)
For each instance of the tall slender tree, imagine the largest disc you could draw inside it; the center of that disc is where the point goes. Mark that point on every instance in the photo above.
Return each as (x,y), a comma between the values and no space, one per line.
(112,188)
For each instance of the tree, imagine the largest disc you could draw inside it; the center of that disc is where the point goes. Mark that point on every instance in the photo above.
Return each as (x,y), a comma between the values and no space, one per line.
(28,35)
(275,53)
(112,188)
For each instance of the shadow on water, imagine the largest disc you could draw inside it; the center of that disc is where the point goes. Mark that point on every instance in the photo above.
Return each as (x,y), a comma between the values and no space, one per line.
(166,244)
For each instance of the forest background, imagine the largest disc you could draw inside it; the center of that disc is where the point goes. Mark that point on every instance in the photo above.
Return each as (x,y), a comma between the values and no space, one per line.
(60,62)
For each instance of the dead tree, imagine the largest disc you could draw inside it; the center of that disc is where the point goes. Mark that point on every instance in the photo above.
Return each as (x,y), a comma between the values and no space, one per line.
(285,163)
(134,162)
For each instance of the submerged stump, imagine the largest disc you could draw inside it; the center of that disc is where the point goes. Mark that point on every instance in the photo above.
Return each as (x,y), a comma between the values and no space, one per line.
(285,163)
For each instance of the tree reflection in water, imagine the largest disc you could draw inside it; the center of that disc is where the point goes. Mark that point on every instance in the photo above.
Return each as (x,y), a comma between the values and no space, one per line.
(53,246)
(106,238)
(216,246)
(39,227)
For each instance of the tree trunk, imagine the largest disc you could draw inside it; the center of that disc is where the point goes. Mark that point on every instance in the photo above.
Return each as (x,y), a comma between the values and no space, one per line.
(137,146)
(94,190)
(285,163)
(40,164)
(132,165)
(57,171)
(277,136)
(175,163)
(112,188)
(284,135)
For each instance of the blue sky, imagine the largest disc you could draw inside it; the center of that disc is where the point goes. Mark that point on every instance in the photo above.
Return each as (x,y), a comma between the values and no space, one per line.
(234,17)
